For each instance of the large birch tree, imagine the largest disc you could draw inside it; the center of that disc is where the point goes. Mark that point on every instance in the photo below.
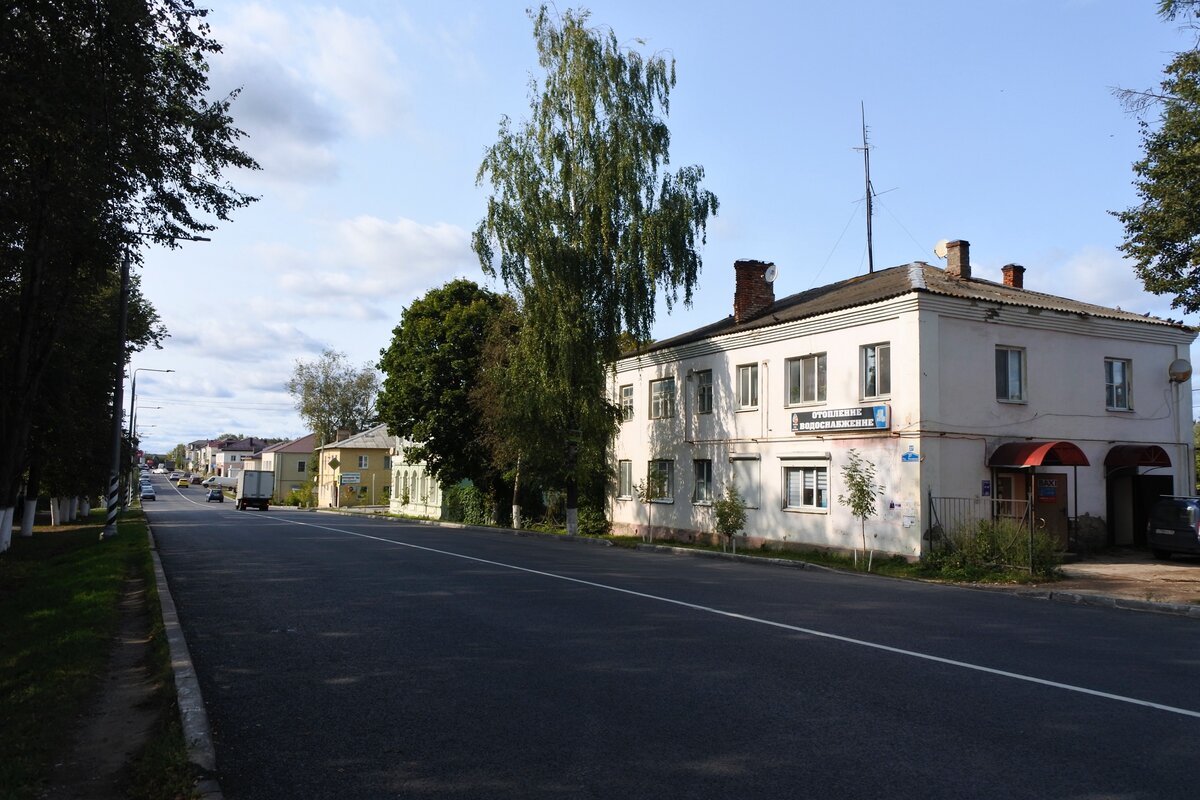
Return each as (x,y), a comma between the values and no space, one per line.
(585,224)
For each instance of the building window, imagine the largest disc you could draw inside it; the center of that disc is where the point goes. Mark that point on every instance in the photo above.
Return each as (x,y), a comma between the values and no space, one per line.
(301,466)
(806,487)
(660,475)
(806,379)
(387,462)
(747,382)
(662,398)
(1116,384)
(876,370)
(704,391)
(624,479)
(627,402)
(1010,374)
(702,492)
(362,461)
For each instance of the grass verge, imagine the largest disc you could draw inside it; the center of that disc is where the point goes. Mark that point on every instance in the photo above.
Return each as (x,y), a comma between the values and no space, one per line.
(59,591)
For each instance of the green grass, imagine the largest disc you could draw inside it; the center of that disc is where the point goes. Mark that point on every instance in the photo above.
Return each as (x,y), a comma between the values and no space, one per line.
(59,595)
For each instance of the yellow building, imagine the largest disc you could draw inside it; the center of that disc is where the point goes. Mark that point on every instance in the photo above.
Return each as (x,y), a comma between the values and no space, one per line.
(357,470)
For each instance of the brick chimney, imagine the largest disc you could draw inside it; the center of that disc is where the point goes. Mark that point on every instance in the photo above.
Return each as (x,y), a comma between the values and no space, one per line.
(958,259)
(1014,275)
(752,293)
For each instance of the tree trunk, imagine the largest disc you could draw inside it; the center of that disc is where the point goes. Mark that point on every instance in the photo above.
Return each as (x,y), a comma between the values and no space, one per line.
(56,511)
(73,509)
(6,518)
(516,501)
(28,517)
(572,506)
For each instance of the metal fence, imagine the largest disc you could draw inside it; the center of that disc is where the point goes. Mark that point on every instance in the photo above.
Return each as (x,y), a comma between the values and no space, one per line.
(955,522)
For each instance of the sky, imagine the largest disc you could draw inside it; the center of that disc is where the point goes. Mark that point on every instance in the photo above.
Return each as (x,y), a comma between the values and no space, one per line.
(991,122)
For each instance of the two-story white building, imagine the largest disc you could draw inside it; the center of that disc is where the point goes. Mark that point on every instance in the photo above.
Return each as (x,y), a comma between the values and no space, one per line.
(969,396)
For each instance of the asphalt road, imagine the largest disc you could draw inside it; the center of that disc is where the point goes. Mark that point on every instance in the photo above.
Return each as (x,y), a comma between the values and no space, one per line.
(354,658)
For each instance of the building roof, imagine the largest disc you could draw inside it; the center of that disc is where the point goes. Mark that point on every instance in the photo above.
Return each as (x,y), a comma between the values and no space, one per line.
(376,438)
(886,284)
(304,444)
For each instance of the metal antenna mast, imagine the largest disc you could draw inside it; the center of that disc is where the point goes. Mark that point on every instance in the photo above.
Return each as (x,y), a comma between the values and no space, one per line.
(866,151)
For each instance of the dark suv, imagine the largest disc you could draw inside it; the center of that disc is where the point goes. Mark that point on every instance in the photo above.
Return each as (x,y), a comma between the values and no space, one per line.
(1174,526)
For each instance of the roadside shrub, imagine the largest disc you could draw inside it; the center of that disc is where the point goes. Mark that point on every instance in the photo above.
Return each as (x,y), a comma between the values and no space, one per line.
(465,503)
(993,547)
(302,497)
(592,522)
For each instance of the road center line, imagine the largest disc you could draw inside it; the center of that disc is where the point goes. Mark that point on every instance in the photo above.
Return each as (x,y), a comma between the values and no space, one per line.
(784,626)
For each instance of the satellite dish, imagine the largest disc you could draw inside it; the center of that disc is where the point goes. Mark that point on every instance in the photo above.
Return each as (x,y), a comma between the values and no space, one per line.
(1180,370)
(769,275)
(940,248)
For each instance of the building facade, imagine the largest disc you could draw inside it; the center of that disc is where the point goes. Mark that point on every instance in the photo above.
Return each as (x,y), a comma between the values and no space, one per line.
(972,398)
(357,470)
(415,493)
(289,462)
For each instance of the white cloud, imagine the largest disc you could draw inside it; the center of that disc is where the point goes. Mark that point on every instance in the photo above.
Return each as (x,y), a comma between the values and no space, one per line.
(1097,275)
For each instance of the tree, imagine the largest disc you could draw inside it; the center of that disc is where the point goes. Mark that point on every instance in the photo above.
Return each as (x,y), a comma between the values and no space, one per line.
(331,394)
(581,225)
(178,454)
(861,494)
(108,138)
(430,369)
(1162,232)
(729,514)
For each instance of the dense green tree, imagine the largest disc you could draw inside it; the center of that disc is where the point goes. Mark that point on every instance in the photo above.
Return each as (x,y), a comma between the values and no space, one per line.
(1162,232)
(109,140)
(585,225)
(430,368)
(331,394)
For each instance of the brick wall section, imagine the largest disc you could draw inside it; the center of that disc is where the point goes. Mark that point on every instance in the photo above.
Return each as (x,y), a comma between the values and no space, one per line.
(1014,275)
(752,293)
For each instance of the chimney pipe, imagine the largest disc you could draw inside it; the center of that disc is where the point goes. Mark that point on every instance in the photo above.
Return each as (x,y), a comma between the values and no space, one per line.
(752,293)
(958,259)
(1014,275)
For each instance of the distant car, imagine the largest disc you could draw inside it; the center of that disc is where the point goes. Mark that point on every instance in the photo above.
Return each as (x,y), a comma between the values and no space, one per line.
(159,470)
(175,476)
(1174,526)
(195,479)
(182,483)
(215,494)
(148,493)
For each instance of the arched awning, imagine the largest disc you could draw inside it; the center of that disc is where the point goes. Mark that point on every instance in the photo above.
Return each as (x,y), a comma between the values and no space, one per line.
(1136,455)
(1036,454)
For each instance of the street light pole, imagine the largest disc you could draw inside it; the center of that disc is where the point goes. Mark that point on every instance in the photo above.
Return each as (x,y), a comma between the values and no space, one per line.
(133,419)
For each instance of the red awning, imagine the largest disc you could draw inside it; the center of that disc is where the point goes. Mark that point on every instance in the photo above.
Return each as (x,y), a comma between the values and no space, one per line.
(1036,454)
(1137,455)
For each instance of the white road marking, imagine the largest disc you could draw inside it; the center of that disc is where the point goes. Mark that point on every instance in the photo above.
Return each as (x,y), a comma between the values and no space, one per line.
(771,623)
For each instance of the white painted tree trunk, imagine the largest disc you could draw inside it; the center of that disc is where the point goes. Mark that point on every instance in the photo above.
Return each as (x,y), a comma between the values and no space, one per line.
(28,517)
(6,520)
(73,513)
(572,521)
(516,511)
(85,507)
(56,511)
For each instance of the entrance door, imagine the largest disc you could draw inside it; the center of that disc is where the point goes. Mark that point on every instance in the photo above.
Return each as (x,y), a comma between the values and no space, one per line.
(1050,505)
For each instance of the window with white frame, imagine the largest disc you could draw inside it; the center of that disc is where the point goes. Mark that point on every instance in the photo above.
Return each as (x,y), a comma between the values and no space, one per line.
(806,379)
(1010,374)
(876,370)
(660,480)
(704,391)
(624,479)
(1116,384)
(627,402)
(363,461)
(747,383)
(702,491)
(662,398)
(806,488)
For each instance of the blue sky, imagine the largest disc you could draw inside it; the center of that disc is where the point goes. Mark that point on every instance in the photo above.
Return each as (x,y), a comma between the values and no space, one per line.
(991,122)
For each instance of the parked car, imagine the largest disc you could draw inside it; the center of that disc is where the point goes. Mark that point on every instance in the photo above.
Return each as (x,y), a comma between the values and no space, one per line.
(1174,526)
(215,494)
(182,483)
(148,493)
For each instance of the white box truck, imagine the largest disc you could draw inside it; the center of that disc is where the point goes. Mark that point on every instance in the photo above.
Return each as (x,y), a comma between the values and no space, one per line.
(254,489)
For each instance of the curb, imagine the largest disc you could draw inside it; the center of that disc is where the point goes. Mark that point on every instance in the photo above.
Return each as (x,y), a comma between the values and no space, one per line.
(1074,598)
(192,715)
(437,523)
